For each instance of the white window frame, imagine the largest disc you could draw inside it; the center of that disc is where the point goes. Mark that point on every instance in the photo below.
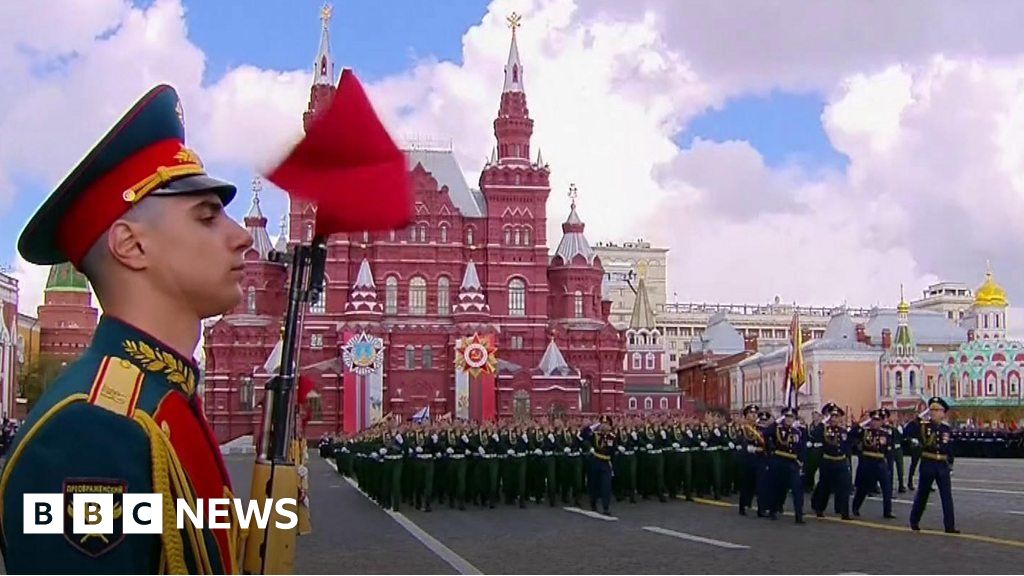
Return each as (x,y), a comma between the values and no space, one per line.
(648,403)
(632,403)
(417,296)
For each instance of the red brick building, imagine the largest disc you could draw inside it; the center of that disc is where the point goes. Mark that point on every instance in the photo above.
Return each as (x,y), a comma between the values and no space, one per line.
(67,318)
(401,307)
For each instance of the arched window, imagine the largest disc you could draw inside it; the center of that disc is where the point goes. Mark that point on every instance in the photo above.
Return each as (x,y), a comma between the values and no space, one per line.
(412,233)
(444,234)
(428,357)
(636,361)
(518,237)
(585,395)
(444,304)
(418,296)
(650,361)
(423,234)
(516,297)
(577,305)
(526,237)
(391,295)
(913,381)
(391,235)
(309,231)
(632,403)
(663,403)
(508,236)
(319,306)
(246,395)
(250,304)
(899,382)
(366,236)
(984,319)
(469,235)
(648,404)
(995,317)
(410,357)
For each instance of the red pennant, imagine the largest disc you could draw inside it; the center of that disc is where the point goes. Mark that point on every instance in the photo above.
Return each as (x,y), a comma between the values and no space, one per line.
(349,166)
(306,386)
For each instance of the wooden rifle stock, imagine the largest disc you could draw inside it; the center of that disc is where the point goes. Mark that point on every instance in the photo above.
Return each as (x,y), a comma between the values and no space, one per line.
(271,550)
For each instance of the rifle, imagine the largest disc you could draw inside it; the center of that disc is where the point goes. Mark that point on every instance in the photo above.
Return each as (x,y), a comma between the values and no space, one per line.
(275,471)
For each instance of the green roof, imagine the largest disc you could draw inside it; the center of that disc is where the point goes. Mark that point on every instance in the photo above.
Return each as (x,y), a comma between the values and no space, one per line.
(65,278)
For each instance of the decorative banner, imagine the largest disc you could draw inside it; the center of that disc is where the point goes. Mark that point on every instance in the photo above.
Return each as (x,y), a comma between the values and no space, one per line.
(476,366)
(475,355)
(363,353)
(363,361)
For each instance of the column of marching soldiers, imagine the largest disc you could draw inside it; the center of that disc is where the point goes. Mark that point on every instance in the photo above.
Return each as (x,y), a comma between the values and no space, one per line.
(659,457)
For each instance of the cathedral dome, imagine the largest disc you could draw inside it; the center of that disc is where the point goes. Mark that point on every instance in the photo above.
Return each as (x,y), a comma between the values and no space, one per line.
(990,294)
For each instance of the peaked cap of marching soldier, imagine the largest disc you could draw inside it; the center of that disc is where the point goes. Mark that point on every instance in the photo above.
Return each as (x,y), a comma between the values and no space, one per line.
(144,154)
(937,402)
(751,408)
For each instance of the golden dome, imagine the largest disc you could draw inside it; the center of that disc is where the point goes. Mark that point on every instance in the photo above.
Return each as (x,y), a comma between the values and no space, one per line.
(990,294)
(902,307)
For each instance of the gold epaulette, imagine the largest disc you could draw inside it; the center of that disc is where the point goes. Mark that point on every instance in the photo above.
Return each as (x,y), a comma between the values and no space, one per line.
(117,386)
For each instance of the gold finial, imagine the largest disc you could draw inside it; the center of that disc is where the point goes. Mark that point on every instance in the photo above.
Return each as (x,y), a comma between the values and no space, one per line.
(988,267)
(641,269)
(573,193)
(514,21)
(325,13)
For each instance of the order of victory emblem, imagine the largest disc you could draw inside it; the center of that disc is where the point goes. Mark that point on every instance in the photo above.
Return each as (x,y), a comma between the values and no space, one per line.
(363,353)
(475,355)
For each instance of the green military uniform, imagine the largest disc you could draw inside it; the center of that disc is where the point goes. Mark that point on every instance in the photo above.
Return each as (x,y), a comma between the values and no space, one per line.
(117,419)
(624,481)
(570,472)
(458,451)
(425,448)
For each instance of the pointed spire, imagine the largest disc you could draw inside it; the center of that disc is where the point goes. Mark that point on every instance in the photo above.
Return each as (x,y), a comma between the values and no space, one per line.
(364,279)
(514,68)
(574,243)
(281,245)
(323,66)
(470,280)
(363,299)
(256,222)
(643,312)
(552,363)
(494,155)
(471,294)
(540,159)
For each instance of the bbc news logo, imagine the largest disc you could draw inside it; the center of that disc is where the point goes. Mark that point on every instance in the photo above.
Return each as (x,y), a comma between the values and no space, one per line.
(99,514)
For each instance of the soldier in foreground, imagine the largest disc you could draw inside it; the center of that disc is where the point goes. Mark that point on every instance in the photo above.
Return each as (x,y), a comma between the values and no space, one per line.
(934,436)
(146,225)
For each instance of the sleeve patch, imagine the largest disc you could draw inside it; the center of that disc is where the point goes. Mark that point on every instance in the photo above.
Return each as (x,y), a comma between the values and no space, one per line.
(117,386)
(95,544)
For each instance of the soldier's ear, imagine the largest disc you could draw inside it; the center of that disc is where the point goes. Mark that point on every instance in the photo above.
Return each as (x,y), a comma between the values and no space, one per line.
(126,245)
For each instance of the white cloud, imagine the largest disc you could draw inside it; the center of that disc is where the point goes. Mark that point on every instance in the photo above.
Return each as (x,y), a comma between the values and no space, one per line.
(31,282)
(925,103)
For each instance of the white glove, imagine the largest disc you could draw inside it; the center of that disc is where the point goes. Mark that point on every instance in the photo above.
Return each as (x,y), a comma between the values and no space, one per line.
(751,448)
(383,451)
(675,444)
(465,438)
(419,450)
(650,446)
(718,432)
(434,437)
(450,451)
(481,450)
(663,436)
(689,433)
(538,452)
(731,445)
(808,443)
(511,452)
(551,437)
(399,438)
(622,448)
(567,450)
(703,444)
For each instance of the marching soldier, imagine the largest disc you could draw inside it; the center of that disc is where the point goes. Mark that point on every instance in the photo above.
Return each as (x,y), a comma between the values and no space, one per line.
(815,432)
(835,469)
(896,454)
(426,447)
(935,438)
(458,450)
(788,450)
(143,221)
(913,447)
(600,479)
(625,463)
(570,474)
(872,467)
(752,458)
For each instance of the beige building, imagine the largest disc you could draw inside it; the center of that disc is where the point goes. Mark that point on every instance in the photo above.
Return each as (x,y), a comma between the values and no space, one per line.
(849,365)
(953,299)
(622,264)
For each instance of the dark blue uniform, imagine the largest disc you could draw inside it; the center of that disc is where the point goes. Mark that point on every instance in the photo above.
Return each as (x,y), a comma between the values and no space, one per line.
(600,479)
(788,448)
(835,470)
(752,467)
(936,463)
(872,468)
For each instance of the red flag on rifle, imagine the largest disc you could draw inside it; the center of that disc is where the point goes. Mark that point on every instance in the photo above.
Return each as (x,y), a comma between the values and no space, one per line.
(349,166)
